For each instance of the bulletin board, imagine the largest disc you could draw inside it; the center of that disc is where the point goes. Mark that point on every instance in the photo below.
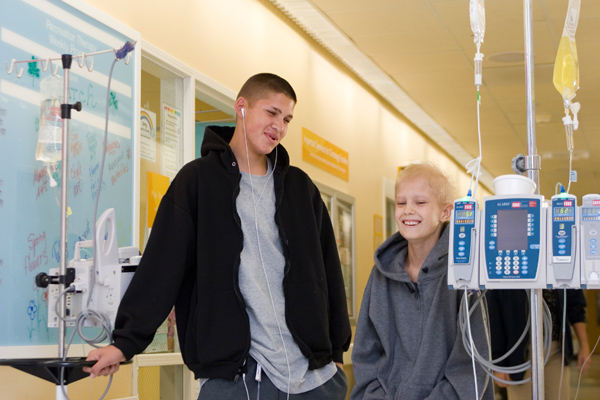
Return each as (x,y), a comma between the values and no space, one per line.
(29,206)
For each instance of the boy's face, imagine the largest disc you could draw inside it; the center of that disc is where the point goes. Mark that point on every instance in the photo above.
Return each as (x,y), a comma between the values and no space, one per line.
(266,122)
(419,215)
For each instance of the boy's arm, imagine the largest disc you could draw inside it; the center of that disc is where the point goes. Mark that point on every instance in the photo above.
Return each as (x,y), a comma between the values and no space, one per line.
(459,382)
(156,283)
(366,353)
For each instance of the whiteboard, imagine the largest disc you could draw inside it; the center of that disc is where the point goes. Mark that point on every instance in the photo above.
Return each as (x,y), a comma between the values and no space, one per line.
(29,207)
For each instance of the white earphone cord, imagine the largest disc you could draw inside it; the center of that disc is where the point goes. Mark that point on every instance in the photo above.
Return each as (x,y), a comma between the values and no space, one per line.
(255,203)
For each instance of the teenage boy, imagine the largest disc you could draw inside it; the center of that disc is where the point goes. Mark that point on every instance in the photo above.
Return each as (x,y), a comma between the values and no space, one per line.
(408,343)
(243,247)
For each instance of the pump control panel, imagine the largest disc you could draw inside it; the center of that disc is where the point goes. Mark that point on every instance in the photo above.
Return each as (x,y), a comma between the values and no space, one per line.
(590,241)
(562,243)
(464,247)
(513,242)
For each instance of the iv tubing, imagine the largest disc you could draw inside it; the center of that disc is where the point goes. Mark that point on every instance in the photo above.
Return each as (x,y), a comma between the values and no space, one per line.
(471,344)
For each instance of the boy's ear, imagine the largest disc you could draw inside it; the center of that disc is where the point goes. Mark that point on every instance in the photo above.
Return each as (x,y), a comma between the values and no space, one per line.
(446,212)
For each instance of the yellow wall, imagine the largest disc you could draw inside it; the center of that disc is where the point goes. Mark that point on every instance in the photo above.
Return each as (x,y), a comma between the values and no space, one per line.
(230,40)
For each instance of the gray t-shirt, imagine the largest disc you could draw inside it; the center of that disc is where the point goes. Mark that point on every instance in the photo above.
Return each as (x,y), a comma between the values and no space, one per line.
(265,304)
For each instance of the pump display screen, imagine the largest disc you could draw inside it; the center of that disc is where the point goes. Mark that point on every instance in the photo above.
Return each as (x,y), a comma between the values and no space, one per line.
(566,211)
(465,214)
(590,211)
(512,229)
(590,214)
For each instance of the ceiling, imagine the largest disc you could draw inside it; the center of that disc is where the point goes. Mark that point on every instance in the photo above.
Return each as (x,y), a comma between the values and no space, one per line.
(424,50)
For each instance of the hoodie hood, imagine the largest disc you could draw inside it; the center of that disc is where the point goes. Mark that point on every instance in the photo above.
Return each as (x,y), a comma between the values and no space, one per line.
(217,138)
(390,256)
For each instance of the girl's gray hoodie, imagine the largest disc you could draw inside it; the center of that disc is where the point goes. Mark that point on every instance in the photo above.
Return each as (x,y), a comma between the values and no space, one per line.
(408,343)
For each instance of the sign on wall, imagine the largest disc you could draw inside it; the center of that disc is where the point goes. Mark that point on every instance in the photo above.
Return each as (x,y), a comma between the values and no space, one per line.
(327,156)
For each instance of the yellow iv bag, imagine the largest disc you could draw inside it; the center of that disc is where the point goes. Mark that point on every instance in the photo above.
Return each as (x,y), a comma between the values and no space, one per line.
(566,68)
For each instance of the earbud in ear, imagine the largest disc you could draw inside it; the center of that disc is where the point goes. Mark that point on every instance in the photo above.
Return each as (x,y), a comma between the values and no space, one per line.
(243,112)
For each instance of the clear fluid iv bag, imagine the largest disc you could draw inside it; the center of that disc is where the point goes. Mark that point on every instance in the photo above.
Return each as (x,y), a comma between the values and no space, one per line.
(49,148)
(477,17)
(566,66)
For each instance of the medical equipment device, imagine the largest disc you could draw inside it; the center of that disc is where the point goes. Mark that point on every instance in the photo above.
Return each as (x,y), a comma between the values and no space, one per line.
(114,272)
(566,65)
(590,240)
(513,242)
(50,150)
(563,254)
(566,78)
(49,147)
(463,253)
(477,17)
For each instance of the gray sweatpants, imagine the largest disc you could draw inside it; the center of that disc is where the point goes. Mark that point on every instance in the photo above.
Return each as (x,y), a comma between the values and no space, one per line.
(223,389)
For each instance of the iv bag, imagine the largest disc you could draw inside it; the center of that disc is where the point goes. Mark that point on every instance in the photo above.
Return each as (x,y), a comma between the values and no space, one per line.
(477,17)
(49,148)
(566,65)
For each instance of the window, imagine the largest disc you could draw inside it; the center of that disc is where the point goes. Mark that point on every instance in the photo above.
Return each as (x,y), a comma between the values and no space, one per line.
(341,210)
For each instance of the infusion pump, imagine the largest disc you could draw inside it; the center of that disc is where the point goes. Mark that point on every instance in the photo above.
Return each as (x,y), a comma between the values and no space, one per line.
(512,244)
(99,288)
(590,240)
(562,241)
(463,253)
(524,242)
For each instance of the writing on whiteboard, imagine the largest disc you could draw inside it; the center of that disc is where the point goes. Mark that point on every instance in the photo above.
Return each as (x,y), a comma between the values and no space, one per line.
(37,253)
(40,179)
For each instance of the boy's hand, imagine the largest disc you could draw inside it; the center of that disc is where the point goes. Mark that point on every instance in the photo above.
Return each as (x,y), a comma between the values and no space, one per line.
(108,359)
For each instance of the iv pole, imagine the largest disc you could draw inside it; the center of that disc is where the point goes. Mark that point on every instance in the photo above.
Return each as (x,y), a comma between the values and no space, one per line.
(61,370)
(533,165)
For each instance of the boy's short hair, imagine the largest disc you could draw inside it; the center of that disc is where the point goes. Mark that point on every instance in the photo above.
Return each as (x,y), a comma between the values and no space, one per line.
(260,85)
(434,176)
